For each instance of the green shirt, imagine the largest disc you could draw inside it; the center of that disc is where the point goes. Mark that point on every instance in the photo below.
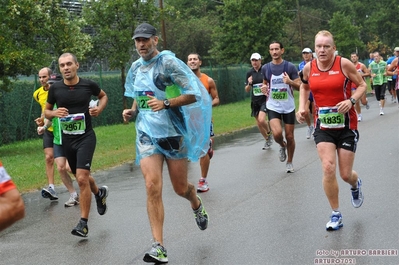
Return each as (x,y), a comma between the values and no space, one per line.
(378,69)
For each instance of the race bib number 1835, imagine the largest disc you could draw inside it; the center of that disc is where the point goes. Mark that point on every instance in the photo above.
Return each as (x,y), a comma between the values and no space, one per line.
(330,118)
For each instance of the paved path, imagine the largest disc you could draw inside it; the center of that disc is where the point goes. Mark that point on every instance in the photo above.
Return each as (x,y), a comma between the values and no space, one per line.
(258,213)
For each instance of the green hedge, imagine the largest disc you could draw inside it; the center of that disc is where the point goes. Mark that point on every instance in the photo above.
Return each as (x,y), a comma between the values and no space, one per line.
(19,109)
(229,82)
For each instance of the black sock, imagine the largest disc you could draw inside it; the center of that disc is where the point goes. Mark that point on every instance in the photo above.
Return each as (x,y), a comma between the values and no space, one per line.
(84,220)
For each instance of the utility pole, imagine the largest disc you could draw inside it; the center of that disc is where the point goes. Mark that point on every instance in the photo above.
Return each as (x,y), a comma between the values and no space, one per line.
(162,26)
(299,22)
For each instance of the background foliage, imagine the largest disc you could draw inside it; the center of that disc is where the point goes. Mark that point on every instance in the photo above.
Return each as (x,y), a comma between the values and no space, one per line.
(36,32)
(224,32)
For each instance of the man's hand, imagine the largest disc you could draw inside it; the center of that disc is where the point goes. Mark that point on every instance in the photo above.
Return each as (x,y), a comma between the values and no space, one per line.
(39,121)
(344,106)
(265,89)
(61,112)
(94,111)
(300,116)
(286,79)
(250,80)
(41,130)
(155,104)
(128,114)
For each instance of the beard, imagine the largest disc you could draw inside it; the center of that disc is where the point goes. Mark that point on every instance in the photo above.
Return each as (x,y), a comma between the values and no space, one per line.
(148,55)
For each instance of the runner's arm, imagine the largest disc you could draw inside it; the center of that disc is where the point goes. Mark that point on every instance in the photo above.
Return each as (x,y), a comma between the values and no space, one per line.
(12,208)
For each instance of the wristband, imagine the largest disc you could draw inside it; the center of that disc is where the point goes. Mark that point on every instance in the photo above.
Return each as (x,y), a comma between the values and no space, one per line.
(301,76)
(45,127)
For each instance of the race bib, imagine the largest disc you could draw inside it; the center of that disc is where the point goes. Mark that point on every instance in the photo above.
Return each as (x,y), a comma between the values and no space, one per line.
(73,124)
(142,100)
(279,94)
(330,118)
(256,89)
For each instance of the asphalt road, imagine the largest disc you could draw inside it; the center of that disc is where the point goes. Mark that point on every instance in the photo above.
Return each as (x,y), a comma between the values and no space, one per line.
(259,214)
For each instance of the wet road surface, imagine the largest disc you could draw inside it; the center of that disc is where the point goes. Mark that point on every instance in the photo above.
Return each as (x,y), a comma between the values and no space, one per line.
(259,214)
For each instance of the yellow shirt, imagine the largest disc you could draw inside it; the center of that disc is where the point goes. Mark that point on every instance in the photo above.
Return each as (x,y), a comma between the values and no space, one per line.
(40,95)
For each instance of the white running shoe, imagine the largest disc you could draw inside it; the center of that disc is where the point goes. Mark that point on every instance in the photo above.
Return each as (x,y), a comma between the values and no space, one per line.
(309,132)
(290,168)
(282,154)
(335,222)
(72,201)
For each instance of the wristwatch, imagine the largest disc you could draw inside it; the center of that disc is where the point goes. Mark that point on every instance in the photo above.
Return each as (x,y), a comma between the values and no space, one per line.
(166,104)
(353,101)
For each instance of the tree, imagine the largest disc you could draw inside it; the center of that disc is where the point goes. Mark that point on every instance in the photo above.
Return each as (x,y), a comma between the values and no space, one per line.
(189,27)
(301,35)
(377,23)
(246,27)
(114,23)
(346,35)
(33,33)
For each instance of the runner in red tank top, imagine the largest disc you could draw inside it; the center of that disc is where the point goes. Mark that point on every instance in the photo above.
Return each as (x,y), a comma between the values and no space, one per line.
(362,69)
(330,78)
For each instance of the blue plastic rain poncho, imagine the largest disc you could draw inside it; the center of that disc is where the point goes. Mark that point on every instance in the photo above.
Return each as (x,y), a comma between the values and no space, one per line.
(165,76)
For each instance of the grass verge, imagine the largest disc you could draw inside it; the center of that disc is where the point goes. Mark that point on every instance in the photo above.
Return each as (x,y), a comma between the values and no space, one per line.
(24,160)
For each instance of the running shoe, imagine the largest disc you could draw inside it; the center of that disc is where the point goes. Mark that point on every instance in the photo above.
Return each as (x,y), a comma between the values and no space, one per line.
(202,185)
(201,216)
(359,117)
(367,105)
(381,112)
(156,255)
(335,222)
(309,132)
(49,194)
(357,194)
(269,140)
(72,201)
(81,229)
(290,168)
(282,155)
(266,146)
(101,200)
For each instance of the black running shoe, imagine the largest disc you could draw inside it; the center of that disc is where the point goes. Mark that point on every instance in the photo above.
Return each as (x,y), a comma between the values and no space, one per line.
(101,200)
(81,229)
(201,216)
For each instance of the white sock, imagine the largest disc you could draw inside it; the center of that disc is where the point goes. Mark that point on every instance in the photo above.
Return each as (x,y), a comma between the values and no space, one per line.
(51,186)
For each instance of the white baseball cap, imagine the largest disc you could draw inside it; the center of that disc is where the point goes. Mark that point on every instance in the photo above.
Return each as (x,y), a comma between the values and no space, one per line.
(307,50)
(256,56)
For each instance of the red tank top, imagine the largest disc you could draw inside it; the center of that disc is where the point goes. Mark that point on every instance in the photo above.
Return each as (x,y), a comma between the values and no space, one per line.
(331,87)
(358,67)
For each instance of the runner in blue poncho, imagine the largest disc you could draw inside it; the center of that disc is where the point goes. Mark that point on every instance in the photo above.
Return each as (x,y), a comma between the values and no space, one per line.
(174,113)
